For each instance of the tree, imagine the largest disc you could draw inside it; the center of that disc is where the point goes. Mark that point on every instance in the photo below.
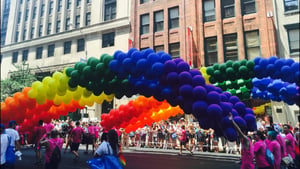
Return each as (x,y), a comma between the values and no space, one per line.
(18,79)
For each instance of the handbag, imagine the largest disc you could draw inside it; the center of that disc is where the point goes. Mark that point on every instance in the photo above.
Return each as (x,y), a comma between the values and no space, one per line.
(10,153)
(288,160)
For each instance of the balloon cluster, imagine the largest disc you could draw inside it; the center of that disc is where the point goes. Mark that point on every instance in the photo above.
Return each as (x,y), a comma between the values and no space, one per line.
(137,113)
(276,90)
(260,110)
(234,77)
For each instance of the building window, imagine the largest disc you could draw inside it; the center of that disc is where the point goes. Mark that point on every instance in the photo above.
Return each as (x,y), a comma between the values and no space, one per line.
(159,48)
(57,26)
(42,9)
(80,45)
(110,10)
(39,52)
(173,18)
(26,15)
(3,37)
(24,34)
(158,21)
(67,24)
(25,55)
(19,17)
(143,1)
(50,7)
(15,57)
(290,5)
(40,30)
(67,47)
(228,8)
(51,50)
(59,5)
(68,4)
(230,47)
(211,51)
(49,28)
(293,36)
(209,10)
(252,45)
(32,33)
(88,19)
(174,50)
(88,1)
(17,36)
(77,21)
(144,24)
(34,12)
(108,39)
(78,2)
(248,6)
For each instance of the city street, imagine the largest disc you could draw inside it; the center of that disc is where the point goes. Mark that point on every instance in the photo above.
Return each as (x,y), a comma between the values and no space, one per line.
(135,160)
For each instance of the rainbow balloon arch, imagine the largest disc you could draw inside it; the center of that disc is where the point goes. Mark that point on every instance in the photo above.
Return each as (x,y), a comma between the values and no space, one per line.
(207,93)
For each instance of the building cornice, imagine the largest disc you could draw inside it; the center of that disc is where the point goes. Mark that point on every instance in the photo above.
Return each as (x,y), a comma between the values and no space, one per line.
(99,27)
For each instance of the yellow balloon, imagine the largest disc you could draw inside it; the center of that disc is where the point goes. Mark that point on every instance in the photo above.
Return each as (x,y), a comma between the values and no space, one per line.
(50,95)
(57,100)
(67,98)
(46,80)
(32,93)
(52,85)
(203,70)
(81,103)
(36,84)
(86,93)
(57,75)
(40,99)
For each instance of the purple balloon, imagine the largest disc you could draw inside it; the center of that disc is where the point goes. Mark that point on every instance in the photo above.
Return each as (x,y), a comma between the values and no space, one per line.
(195,72)
(183,66)
(240,122)
(230,134)
(240,107)
(226,123)
(200,107)
(249,111)
(185,78)
(199,93)
(170,66)
(223,97)
(215,112)
(251,122)
(198,80)
(226,107)
(234,99)
(213,97)
(210,87)
(172,78)
(178,60)
(186,91)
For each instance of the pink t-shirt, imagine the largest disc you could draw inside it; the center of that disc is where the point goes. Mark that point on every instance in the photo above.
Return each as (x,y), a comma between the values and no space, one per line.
(247,156)
(91,130)
(48,127)
(281,142)
(39,133)
(260,154)
(290,147)
(274,147)
(97,129)
(52,143)
(182,135)
(77,134)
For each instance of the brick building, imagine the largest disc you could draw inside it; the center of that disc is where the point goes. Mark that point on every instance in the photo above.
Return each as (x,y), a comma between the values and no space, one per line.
(204,32)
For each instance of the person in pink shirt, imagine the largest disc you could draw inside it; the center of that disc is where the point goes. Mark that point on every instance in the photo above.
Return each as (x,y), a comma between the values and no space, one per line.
(76,135)
(260,150)
(274,147)
(48,127)
(97,129)
(289,141)
(38,133)
(50,146)
(247,148)
(91,138)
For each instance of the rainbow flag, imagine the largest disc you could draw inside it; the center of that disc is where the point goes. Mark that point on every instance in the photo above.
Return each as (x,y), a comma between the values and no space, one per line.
(122,159)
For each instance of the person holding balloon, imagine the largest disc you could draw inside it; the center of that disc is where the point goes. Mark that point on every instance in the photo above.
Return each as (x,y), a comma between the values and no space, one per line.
(247,147)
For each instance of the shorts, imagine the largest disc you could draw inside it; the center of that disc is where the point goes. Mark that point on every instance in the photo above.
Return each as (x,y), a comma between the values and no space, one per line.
(74,146)
(183,143)
(91,139)
(37,147)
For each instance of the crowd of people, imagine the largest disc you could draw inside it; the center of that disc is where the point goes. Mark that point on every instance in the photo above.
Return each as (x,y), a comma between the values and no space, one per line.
(282,140)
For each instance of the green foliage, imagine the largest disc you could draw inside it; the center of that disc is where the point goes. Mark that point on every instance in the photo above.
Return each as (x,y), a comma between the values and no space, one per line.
(18,79)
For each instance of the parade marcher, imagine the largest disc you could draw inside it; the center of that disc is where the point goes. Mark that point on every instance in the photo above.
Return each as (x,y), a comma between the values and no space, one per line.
(68,138)
(76,135)
(4,145)
(260,151)
(200,138)
(91,138)
(289,141)
(38,133)
(192,137)
(247,148)
(53,150)
(274,147)
(183,140)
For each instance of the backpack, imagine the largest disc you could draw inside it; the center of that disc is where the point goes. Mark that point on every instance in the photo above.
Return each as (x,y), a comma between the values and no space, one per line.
(10,156)
(269,156)
(56,155)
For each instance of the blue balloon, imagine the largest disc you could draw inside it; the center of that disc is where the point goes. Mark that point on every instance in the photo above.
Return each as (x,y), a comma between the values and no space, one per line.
(289,62)
(272,59)
(142,65)
(147,51)
(165,57)
(180,100)
(200,108)
(234,99)
(198,80)
(127,64)
(230,134)
(257,70)
(226,123)
(185,78)
(131,51)
(279,63)
(178,60)
(153,58)
(117,53)
(195,72)
(295,67)
(152,87)
(257,60)
(136,56)
(286,70)
(166,92)
(263,62)
(186,91)
(215,112)
(158,69)
(291,89)
(114,66)
(172,78)
(187,106)
(183,66)
(199,93)
(213,97)
(270,69)
(170,66)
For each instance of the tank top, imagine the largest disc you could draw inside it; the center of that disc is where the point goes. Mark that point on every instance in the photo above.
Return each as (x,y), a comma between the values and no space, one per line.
(247,156)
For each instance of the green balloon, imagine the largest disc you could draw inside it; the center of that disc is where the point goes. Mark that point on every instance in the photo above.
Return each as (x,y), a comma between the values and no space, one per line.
(229,71)
(69,71)
(223,67)
(108,75)
(90,60)
(243,70)
(244,89)
(216,66)
(217,74)
(72,83)
(210,70)
(106,59)
(94,63)
(102,57)
(240,82)
(228,84)
(250,64)
(246,95)
(75,74)
(81,66)
(243,62)
(251,74)
(229,63)
(236,65)
(232,91)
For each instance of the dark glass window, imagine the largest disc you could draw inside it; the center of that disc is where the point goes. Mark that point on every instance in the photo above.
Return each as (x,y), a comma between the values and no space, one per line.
(290,5)
(158,21)
(88,18)
(51,50)
(59,5)
(228,8)
(42,9)
(67,26)
(77,21)
(50,7)
(211,51)
(159,48)
(67,47)
(15,57)
(144,24)
(57,26)
(49,28)
(78,2)
(32,33)
(24,34)
(39,52)
(209,10)
(34,12)
(26,14)
(230,47)
(173,18)
(110,10)
(19,17)
(293,36)
(108,39)
(248,6)
(40,30)
(17,36)
(143,1)
(174,50)
(80,45)
(25,55)
(69,4)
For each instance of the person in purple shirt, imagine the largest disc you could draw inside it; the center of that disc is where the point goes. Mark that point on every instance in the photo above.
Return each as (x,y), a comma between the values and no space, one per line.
(260,150)
(289,141)
(274,147)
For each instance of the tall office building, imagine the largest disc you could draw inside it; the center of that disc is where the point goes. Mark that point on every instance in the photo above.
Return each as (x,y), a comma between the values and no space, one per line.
(287,23)
(49,35)
(204,32)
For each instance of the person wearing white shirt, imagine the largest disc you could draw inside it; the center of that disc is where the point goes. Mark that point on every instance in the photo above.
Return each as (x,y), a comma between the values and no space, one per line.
(105,148)
(12,132)
(4,145)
